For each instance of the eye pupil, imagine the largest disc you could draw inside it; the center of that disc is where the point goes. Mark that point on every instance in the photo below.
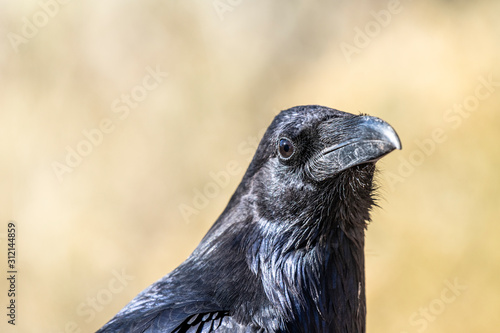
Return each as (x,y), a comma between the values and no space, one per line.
(286,148)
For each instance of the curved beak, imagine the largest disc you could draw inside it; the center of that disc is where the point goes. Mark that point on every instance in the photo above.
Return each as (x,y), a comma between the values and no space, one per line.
(368,140)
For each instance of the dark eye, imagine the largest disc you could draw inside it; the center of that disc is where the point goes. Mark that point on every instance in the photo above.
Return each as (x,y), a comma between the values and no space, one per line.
(286,148)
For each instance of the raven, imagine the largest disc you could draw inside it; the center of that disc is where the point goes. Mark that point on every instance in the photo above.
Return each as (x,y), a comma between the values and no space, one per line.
(287,253)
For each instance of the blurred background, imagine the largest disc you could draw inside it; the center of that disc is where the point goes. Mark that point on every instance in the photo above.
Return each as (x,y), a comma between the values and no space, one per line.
(127,125)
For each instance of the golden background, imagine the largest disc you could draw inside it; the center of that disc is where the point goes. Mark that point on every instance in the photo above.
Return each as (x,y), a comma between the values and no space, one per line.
(429,68)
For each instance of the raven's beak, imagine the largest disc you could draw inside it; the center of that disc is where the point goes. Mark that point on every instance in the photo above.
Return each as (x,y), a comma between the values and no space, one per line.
(369,139)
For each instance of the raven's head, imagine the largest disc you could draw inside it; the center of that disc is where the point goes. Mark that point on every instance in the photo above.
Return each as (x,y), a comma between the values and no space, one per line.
(312,160)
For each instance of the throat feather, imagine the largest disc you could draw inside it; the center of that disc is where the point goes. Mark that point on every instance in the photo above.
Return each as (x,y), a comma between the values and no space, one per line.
(320,288)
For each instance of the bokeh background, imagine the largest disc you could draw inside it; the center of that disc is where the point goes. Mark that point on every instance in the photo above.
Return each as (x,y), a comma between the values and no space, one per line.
(95,229)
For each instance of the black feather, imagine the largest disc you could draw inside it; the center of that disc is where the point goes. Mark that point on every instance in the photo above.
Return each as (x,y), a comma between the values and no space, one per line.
(287,253)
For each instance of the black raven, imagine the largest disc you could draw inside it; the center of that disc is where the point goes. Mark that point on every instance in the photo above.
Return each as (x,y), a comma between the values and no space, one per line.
(287,253)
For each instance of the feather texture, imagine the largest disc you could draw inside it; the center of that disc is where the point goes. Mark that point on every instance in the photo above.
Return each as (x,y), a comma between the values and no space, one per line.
(287,253)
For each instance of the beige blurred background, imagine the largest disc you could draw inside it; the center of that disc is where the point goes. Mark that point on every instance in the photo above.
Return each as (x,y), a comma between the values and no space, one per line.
(93,230)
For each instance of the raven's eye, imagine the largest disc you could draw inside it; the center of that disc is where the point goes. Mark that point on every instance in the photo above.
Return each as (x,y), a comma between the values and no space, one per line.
(286,148)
